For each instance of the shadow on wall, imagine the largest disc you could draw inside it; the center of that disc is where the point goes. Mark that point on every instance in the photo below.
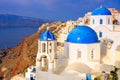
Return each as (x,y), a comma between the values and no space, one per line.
(106,44)
(117,64)
(118,48)
(103,48)
(63,62)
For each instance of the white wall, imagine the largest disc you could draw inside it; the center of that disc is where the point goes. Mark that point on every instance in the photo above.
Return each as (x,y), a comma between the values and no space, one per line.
(97,53)
(71,50)
(105,21)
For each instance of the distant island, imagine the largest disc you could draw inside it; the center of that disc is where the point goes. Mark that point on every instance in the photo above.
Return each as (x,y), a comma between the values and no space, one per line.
(20,21)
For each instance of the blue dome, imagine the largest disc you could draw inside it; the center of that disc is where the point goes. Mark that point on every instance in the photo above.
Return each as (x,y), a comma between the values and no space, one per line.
(82,34)
(101,11)
(47,35)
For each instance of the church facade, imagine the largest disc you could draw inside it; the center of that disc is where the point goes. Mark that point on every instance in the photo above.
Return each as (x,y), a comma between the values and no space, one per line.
(86,48)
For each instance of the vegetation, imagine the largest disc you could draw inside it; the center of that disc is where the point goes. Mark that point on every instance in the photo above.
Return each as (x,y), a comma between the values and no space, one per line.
(111,76)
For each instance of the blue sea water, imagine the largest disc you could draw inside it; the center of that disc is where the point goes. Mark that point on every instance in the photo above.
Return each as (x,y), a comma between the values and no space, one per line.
(11,36)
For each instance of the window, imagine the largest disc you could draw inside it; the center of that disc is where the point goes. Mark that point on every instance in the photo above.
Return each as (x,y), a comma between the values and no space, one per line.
(109,21)
(100,34)
(92,53)
(93,21)
(101,21)
(78,54)
(50,47)
(43,47)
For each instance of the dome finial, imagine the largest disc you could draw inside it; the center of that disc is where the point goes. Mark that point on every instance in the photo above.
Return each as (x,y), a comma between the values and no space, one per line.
(48,28)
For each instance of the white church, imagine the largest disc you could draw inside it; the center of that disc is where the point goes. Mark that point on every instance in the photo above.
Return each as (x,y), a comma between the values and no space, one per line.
(86,49)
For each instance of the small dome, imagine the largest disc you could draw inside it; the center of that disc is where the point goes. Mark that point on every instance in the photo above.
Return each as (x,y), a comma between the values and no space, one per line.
(101,11)
(47,35)
(82,34)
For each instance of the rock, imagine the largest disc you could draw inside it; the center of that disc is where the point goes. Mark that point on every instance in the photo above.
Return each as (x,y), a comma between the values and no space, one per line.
(0,61)
(1,78)
(4,52)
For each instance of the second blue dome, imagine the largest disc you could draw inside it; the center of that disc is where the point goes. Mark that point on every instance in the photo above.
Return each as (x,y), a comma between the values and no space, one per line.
(101,11)
(82,34)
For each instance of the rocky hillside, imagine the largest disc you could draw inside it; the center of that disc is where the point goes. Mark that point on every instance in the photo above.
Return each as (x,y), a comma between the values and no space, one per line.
(15,60)
(20,21)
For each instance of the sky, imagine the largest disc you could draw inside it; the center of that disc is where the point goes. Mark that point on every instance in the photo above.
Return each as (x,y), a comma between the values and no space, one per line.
(56,10)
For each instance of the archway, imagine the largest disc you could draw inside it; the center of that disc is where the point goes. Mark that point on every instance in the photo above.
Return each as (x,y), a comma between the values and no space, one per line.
(44,63)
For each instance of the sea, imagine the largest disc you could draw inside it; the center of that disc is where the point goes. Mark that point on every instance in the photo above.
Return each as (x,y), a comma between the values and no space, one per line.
(12,36)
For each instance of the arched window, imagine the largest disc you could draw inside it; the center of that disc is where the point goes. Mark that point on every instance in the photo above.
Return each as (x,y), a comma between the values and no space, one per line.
(43,47)
(101,21)
(50,47)
(108,20)
(92,53)
(100,34)
(92,56)
(78,54)
(93,21)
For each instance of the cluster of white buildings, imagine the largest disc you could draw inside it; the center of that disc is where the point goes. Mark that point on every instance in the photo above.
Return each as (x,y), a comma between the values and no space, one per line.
(86,48)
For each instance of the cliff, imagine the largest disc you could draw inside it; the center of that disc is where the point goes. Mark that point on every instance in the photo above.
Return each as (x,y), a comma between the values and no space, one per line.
(15,60)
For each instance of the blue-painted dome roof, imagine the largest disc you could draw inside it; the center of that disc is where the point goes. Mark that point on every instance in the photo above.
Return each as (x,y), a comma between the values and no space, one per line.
(82,34)
(101,11)
(47,35)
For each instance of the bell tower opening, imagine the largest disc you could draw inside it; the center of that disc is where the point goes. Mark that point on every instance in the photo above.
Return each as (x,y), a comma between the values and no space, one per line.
(43,47)
(50,47)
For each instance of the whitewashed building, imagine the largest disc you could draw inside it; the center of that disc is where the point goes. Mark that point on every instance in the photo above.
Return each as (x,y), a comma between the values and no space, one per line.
(86,48)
